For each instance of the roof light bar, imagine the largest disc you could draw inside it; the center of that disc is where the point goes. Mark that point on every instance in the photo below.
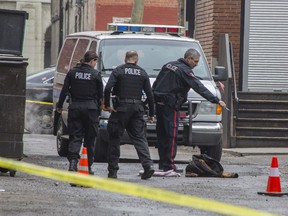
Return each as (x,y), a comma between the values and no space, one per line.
(160,29)
(135,28)
(122,28)
(180,30)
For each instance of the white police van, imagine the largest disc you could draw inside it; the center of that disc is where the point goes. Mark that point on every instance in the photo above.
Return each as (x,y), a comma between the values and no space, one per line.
(156,45)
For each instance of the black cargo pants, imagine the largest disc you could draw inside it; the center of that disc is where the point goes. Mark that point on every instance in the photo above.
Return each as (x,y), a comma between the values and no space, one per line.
(167,132)
(129,117)
(82,123)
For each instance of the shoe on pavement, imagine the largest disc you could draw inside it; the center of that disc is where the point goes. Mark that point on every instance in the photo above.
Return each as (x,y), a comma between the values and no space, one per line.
(73,165)
(148,172)
(90,171)
(112,174)
(73,168)
(176,169)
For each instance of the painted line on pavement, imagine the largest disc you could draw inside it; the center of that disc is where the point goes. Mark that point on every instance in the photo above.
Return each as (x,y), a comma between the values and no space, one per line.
(113,185)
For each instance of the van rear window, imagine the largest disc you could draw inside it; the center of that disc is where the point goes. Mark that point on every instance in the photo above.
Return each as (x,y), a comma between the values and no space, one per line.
(79,52)
(65,56)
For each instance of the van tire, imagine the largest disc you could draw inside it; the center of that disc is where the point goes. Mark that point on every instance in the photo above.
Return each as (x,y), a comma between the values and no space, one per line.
(213,151)
(39,119)
(61,142)
(101,147)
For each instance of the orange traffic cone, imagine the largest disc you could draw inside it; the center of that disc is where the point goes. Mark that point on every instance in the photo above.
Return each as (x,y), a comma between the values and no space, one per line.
(273,185)
(83,163)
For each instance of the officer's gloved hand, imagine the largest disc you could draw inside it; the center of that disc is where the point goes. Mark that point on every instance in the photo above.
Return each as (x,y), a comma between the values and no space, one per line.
(222,103)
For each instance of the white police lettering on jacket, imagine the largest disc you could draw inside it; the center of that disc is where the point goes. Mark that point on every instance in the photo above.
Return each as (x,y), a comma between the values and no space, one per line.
(83,76)
(171,67)
(132,71)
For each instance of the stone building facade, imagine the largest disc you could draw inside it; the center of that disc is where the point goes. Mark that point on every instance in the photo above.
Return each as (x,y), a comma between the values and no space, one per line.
(69,16)
(36,44)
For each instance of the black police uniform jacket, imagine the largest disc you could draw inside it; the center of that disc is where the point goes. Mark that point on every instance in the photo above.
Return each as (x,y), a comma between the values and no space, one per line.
(175,80)
(128,81)
(84,84)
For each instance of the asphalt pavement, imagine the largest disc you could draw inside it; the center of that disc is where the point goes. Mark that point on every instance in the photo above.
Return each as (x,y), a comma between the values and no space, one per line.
(31,195)
(184,153)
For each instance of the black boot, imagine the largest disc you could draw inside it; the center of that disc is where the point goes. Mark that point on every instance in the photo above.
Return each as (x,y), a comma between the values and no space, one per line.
(90,171)
(73,165)
(148,172)
(112,174)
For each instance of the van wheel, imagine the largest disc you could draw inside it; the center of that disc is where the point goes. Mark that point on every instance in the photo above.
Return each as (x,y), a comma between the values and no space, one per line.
(62,142)
(101,147)
(40,120)
(213,151)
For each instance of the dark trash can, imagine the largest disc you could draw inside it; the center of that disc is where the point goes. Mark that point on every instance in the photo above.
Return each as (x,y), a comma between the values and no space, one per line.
(12,107)
(12,84)
(12,24)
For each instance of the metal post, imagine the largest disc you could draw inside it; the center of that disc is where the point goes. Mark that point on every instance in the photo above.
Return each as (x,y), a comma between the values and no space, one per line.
(190,111)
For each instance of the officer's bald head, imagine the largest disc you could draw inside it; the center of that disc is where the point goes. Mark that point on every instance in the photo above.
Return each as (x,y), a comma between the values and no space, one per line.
(192,57)
(131,57)
(191,53)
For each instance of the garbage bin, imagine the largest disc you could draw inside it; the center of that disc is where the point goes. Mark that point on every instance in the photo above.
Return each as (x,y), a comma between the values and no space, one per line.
(12,106)
(12,84)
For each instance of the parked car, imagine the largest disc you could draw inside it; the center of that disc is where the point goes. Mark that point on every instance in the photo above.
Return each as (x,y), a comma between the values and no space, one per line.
(39,101)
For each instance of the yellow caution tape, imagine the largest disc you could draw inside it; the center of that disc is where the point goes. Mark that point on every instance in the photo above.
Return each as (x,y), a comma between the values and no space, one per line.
(127,188)
(39,102)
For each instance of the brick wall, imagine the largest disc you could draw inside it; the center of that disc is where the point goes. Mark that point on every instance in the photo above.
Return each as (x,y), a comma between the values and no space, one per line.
(155,11)
(204,22)
(227,14)
(214,17)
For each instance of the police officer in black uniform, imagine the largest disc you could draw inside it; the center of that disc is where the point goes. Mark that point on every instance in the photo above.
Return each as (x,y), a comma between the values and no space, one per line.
(170,91)
(128,81)
(84,84)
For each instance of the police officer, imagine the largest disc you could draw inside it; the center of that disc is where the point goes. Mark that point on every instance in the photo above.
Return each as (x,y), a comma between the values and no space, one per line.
(128,81)
(84,84)
(169,98)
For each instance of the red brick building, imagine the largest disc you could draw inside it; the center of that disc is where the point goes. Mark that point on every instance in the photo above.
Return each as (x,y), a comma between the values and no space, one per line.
(206,19)
(211,18)
(163,12)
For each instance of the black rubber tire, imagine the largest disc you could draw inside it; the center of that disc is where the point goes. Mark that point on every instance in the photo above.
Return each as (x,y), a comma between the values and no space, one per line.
(3,170)
(213,151)
(12,173)
(101,147)
(40,120)
(61,143)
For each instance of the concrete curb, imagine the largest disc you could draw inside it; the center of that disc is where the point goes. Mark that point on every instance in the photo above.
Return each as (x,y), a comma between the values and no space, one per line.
(256,151)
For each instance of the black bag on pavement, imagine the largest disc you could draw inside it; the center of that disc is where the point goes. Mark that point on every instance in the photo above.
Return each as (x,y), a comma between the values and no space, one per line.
(205,166)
